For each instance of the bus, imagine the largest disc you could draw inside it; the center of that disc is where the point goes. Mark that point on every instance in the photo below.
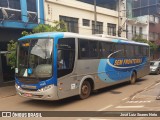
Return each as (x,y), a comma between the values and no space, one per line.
(57,65)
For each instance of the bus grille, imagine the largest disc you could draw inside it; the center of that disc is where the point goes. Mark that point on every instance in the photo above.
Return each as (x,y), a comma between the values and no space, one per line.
(29,80)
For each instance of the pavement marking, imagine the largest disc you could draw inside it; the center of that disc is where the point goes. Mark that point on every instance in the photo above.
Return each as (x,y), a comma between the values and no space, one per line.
(105,108)
(129,107)
(138,101)
(79,119)
(125,98)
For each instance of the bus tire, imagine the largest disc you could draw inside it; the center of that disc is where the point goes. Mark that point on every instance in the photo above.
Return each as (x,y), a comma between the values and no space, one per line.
(85,90)
(133,77)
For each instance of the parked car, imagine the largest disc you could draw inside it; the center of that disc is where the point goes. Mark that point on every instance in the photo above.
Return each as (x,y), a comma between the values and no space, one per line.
(155,67)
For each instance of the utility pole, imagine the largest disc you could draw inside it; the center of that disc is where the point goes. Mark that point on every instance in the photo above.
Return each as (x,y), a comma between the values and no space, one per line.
(119,27)
(95,17)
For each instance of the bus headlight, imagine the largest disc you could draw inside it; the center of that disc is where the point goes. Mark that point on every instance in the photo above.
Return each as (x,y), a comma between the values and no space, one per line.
(17,86)
(45,88)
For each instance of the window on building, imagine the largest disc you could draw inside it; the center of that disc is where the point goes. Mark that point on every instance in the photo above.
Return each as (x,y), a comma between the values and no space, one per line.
(144,11)
(109,4)
(136,12)
(132,29)
(15,4)
(136,3)
(152,2)
(152,10)
(135,32)
(86,22)
(156,36)
(72,23)
(111,29)
(12,14)
(98,29)
(127,31)
(140,30)
(32,9)
(144,2)
(31,5)
(4,3)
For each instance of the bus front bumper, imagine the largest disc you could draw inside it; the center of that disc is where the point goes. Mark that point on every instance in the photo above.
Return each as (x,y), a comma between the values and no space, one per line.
(42,94)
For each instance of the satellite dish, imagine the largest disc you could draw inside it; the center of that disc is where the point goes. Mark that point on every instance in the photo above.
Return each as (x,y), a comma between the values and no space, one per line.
(5,14)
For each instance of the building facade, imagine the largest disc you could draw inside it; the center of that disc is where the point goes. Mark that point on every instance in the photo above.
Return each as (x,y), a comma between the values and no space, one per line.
(146,12)
(80,15)
(137,27)
(15,17)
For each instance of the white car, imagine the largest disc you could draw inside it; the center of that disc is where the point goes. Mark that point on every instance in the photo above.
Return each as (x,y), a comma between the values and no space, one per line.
(155,67)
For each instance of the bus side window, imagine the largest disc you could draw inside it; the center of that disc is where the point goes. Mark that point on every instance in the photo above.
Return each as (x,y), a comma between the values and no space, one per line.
(93,49)
(129,50)
(119,49)
(65,56)
(136,48)
(83,48)
(105,49)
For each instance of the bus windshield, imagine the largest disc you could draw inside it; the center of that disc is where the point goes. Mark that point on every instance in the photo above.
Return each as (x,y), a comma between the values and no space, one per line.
(34,58)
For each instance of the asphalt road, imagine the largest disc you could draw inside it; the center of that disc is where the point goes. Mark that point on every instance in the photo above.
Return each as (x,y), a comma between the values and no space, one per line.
(105,99)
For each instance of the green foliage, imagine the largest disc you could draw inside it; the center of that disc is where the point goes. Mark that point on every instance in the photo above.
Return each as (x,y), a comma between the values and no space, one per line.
(11,47)
(59,26)
(24,33)
(153,46)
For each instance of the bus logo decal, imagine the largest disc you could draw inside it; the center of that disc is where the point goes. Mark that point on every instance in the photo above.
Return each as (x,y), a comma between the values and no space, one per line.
(124,63)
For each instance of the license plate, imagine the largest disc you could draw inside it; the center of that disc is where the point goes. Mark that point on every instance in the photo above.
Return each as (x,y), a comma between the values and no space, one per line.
(28,95)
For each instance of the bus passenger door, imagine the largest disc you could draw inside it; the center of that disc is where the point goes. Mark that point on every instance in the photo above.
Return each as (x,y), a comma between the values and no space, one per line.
(65,66)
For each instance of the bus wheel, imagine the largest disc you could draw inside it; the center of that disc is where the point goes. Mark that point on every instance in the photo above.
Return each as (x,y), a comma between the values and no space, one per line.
(133,77)
(85,90)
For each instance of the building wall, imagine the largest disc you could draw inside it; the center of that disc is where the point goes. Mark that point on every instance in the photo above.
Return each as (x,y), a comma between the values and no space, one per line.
(80,10)
(15,17)
(23,17)
(136,27)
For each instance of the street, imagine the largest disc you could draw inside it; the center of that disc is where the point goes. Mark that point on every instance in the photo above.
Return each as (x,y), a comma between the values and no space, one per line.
(122,97)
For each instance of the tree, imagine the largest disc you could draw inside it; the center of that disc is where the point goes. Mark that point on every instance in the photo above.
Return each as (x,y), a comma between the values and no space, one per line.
(59,26)
(153,46)
(11,47)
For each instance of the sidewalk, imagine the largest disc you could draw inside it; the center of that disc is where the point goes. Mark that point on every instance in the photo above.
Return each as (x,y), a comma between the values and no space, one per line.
(150,93)
(7,91)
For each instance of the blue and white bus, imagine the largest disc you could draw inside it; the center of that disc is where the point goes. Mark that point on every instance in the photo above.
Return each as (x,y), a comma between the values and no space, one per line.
(57,65)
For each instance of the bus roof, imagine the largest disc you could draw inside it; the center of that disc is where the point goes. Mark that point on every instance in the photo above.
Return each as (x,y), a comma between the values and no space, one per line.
(75,35)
